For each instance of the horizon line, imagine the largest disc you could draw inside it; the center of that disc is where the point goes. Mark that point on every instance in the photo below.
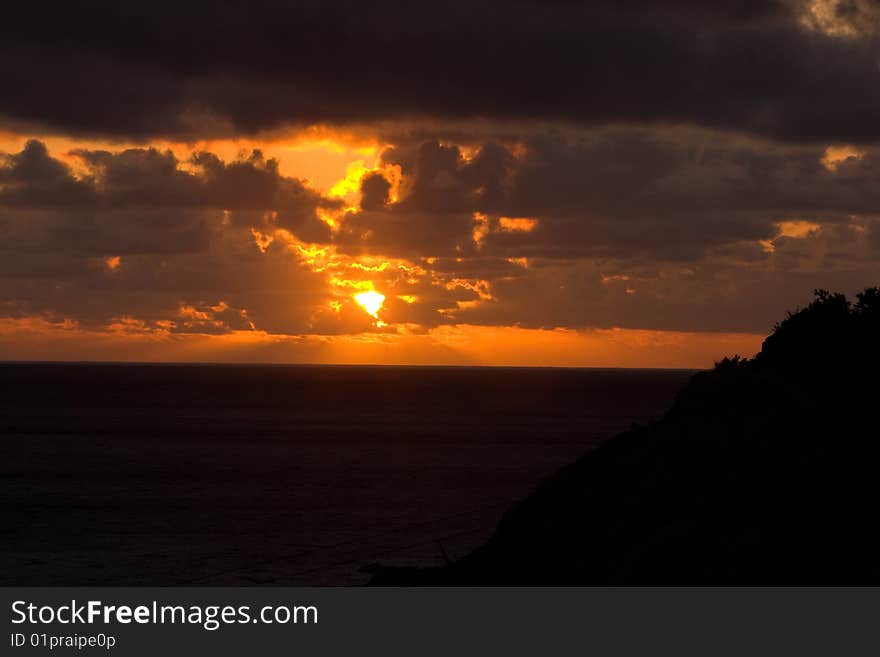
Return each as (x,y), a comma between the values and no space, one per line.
(159,363)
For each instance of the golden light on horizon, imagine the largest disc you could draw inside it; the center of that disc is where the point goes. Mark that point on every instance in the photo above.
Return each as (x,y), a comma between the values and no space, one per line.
(38,337)
(371,301)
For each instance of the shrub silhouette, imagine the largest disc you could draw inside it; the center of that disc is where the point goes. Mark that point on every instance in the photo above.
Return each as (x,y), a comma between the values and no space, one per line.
(764,471)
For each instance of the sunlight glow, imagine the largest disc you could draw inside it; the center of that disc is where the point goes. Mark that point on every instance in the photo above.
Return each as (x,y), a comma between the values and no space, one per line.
(352,181)
(371,301)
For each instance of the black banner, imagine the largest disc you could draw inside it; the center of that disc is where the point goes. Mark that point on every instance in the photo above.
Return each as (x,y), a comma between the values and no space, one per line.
(451,621)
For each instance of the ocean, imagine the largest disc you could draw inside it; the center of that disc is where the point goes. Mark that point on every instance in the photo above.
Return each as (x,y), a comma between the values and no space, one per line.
(136,474)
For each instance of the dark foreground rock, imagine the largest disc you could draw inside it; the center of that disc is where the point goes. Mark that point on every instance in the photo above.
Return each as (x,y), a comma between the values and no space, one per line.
(764,471)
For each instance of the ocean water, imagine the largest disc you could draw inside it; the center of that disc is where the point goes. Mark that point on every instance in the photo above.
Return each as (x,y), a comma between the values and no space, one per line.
(241,475)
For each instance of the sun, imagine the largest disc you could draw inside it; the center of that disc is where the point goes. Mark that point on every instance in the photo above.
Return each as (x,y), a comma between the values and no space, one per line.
(371,301)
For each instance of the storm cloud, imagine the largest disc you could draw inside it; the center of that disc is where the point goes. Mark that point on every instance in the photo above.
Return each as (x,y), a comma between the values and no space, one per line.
(793,70)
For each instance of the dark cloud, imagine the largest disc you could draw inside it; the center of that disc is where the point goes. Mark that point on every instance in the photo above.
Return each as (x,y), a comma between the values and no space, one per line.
(675,230)
(188,69)
(154,182)
(620,193)
(34,178)
(140,234)
(32,165)
(705,296)
(375,191)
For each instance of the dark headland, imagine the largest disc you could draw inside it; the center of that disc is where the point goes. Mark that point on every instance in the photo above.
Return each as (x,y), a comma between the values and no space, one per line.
(764,471)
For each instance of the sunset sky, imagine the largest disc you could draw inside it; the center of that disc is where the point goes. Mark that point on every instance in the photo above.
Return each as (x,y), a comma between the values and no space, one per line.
(492,183)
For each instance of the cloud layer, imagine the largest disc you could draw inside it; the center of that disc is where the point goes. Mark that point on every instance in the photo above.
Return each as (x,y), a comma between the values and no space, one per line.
(798,70)
(635,228)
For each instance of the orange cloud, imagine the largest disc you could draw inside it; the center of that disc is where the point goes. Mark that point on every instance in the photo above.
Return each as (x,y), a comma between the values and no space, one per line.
(517,224)
(797,229)
(835,155)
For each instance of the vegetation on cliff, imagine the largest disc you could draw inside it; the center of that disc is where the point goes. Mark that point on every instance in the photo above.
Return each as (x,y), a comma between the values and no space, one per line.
(765,471)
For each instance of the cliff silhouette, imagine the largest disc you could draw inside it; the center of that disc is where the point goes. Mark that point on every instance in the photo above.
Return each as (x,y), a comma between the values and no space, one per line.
(764,471)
